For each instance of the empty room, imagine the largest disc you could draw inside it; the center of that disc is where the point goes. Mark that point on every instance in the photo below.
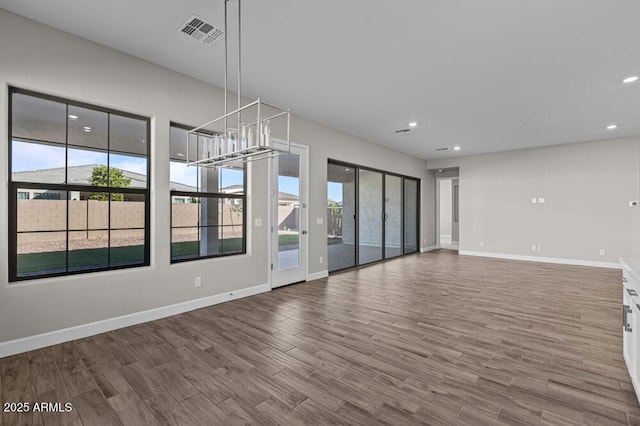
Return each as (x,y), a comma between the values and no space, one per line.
(353,212)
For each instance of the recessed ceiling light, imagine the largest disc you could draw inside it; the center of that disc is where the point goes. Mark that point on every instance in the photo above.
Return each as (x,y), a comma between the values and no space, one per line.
(179,154)
(347,169)
(630,79)
(413,124)
(87,129)
(612,126)
(457,148)
(73,117)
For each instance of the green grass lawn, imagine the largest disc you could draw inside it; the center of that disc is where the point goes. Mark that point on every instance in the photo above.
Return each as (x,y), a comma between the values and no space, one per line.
(55,261)
(288,239)
(51,262)
(191,248)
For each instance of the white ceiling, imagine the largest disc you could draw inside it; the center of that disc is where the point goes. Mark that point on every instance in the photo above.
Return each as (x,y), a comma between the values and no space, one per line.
(488,75)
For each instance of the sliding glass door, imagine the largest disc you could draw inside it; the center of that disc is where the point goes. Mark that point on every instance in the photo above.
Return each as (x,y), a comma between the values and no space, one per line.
(392,216)
(371,215)
(341,216)
(411,212)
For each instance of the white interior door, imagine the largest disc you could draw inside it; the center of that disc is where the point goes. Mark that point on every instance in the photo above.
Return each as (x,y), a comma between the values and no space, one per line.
(289,237)
(455,209)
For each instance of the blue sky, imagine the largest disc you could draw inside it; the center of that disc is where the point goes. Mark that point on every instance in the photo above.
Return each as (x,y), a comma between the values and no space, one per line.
(289,185)
(180,173)
(31,156)
(334,191)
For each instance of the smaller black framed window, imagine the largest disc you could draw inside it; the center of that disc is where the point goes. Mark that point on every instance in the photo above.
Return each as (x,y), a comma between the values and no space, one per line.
(208,206)
(78,187)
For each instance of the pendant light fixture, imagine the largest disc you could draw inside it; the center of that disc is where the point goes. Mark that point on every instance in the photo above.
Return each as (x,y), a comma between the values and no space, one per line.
(255,131)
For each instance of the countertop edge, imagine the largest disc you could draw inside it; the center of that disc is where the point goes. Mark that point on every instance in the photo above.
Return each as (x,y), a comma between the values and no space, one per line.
(632,265)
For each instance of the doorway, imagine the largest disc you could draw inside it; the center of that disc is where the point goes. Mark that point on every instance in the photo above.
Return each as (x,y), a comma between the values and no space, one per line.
(448,197)
(289,236)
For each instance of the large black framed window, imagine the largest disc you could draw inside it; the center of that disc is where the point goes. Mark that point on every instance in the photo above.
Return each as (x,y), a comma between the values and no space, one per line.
(78,187)
(208,206)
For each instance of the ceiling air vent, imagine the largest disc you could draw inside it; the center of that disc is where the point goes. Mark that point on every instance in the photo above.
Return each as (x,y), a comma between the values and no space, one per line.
(202,31)
(442,149)
(402,131)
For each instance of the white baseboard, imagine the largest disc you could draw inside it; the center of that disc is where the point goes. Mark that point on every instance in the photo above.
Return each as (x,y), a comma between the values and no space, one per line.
(451,246)
(428,248)
(576,262)
(13,347)
(317,275)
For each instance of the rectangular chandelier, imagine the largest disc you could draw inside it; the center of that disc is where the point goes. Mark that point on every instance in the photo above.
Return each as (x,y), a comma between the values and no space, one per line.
(252,132)
(259,130)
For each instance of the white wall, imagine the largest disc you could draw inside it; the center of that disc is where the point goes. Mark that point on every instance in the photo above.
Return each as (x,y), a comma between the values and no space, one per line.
(587,187)
(39,58)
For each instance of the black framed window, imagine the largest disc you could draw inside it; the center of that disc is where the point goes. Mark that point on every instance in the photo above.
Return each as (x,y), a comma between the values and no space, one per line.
(78,187)
(208,206)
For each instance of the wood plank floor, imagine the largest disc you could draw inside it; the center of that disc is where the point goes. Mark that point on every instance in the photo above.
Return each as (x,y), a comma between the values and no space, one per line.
(430,338)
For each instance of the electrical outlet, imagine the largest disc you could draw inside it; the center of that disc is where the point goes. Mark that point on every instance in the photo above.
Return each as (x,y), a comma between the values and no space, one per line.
(539,248)
(633,203)
(198,281)
(541,200)
(321,259)
(602,252)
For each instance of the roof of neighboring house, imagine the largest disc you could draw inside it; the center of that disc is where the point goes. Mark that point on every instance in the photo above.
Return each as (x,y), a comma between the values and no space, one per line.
(81,175)
(284,196)
(231,189)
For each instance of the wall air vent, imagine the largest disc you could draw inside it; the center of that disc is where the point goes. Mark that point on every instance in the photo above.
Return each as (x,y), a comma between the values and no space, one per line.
(202,31)
(402,131)
(442,149)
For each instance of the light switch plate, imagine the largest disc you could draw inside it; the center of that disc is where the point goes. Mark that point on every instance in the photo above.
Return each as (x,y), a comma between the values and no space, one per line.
(319,221)
(258,222)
